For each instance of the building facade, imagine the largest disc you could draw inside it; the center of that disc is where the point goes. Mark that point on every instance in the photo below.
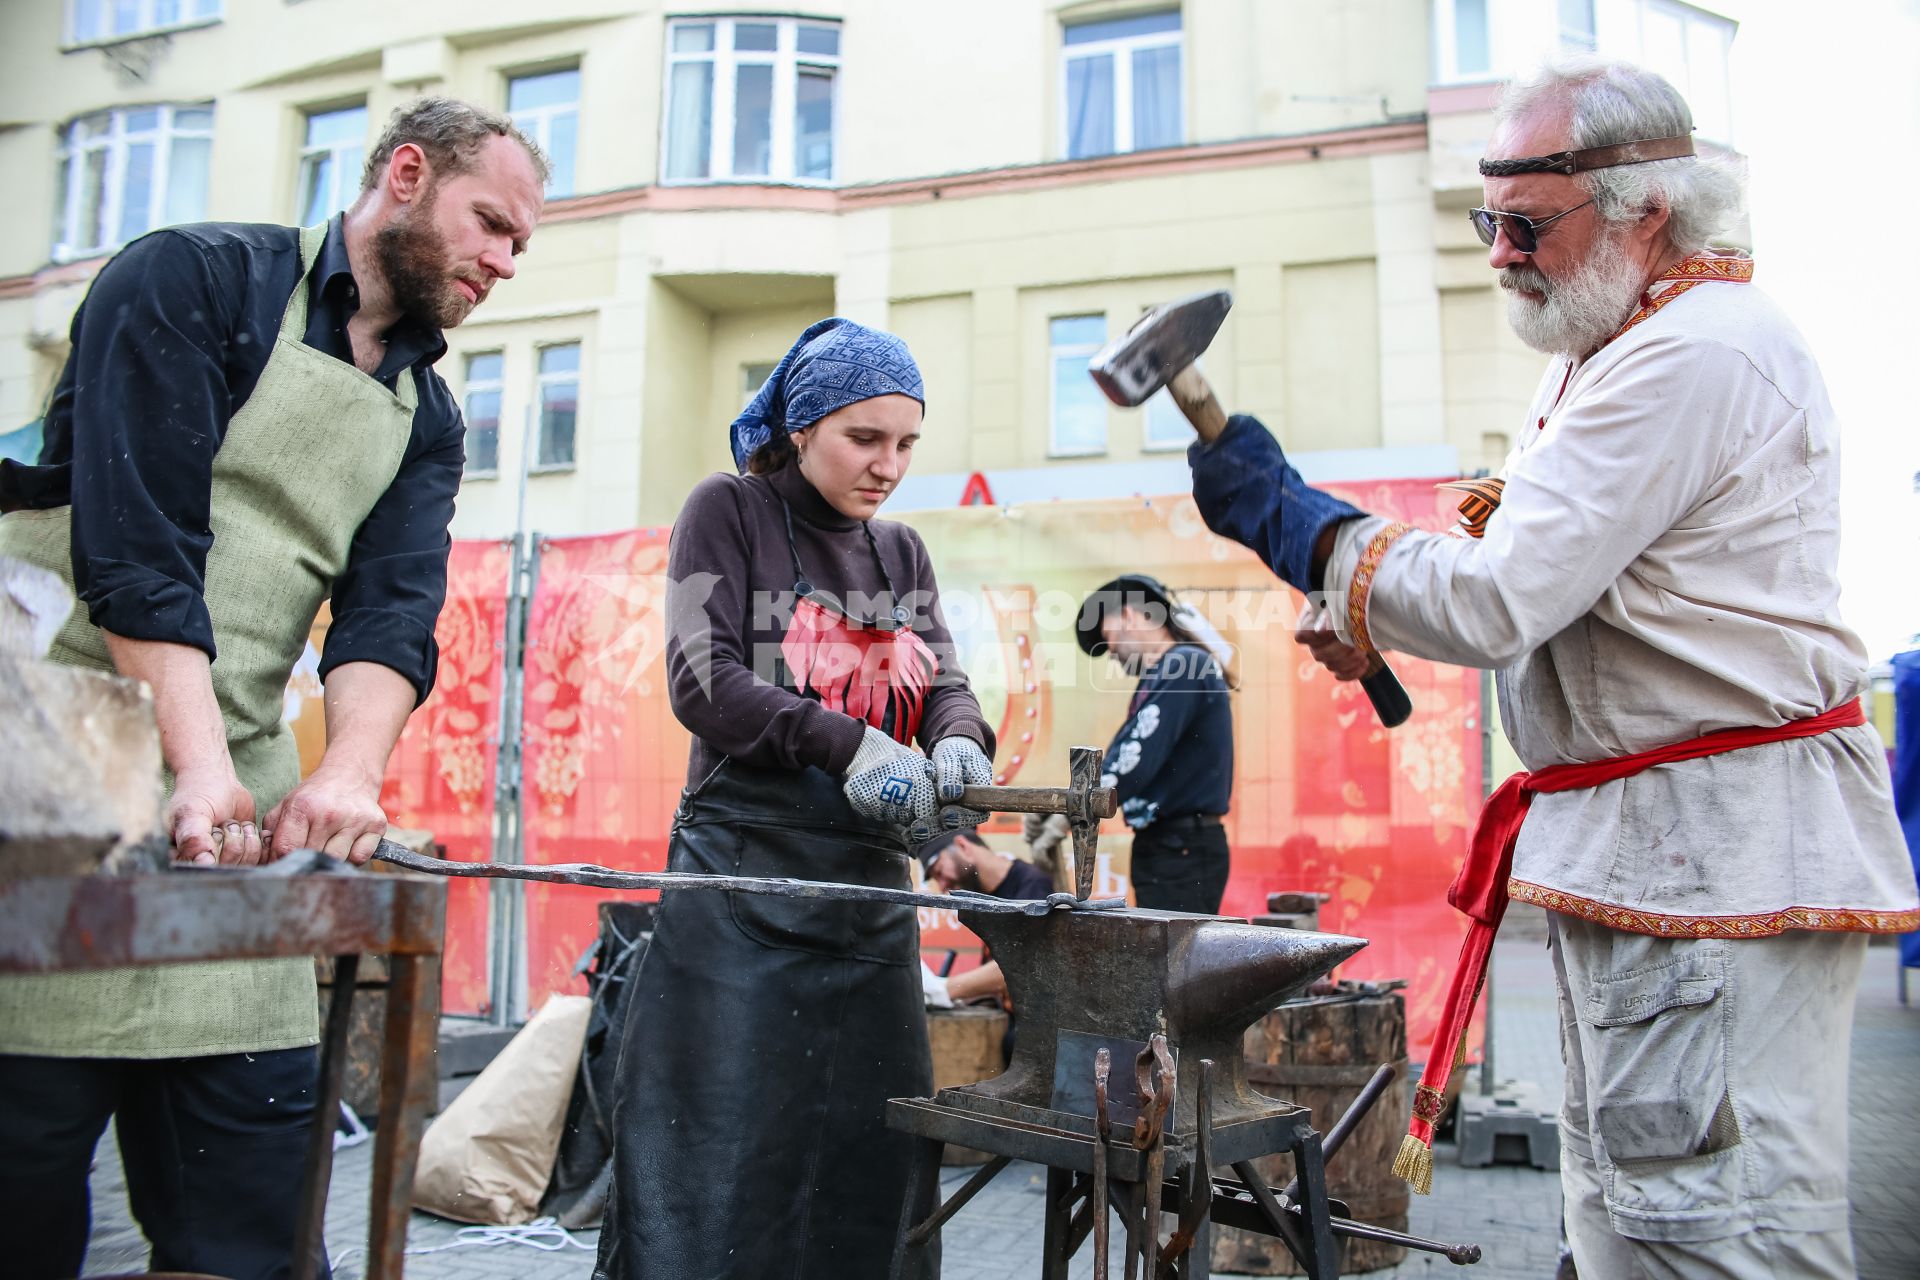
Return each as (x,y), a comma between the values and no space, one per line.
(1007,184)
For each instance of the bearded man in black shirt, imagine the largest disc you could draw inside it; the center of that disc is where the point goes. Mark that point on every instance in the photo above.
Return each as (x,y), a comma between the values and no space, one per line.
(249,424)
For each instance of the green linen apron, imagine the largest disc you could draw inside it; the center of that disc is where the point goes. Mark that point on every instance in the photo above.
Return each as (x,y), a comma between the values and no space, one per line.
(300,468)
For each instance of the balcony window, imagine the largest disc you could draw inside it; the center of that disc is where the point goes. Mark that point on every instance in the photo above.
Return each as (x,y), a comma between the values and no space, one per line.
(91,21)
(331,157)
(559,390)
(481,407)
(750,100)
(123,173)
(1690,48)
(1463,40)
(547,109)
(1122,84)
(1079,414)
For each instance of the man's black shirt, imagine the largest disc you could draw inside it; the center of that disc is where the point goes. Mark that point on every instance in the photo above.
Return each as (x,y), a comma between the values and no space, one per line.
(1023,880)
(169,344)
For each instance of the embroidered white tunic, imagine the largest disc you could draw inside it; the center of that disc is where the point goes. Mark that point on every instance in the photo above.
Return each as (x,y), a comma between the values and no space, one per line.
(1663,564)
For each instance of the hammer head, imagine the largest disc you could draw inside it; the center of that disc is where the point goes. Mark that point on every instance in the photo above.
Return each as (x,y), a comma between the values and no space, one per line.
(1168,339)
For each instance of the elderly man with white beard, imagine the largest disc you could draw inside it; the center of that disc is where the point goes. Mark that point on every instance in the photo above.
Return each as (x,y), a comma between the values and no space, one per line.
(1653,578)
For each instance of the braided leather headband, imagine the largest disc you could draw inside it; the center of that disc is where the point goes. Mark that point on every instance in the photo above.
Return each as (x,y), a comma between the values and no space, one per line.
(1571,162)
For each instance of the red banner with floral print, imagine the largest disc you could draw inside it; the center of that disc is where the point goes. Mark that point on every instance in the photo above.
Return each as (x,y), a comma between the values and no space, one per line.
(441,776)
(1324,798)
(604,758)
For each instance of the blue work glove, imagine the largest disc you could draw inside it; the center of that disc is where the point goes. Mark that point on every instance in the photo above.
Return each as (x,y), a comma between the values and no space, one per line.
(959,762)
(892,784)
(1246,490)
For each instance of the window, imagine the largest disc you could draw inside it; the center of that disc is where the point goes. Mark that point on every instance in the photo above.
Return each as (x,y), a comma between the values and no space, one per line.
(547,109)
(1122,82)
(125,172)
(1576,27)
(559,405)
(1690,49)
(1463,40)
(750,99)
(330,162)
(752,377)
(1166,427)
(481,408)
(1079,414)
(92,20)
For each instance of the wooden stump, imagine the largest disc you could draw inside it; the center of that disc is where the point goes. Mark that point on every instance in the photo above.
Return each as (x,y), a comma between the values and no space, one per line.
(1318,1053)
(966,1048)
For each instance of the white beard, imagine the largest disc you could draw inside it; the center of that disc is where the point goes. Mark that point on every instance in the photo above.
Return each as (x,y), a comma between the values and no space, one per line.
(1580,313)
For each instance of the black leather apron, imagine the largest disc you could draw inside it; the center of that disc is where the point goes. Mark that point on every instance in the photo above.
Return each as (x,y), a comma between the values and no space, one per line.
(766,1035)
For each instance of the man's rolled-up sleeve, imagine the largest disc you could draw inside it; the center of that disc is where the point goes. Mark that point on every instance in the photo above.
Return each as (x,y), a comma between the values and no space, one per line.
(150,407)
(386,604)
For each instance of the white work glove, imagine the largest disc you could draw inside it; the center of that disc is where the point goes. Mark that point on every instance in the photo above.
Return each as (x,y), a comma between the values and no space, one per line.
(959,762)
(933,988)
(890,783)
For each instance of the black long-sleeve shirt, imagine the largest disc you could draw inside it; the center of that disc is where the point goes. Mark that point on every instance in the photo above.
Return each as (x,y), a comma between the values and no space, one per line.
(169,344)
(1173,758)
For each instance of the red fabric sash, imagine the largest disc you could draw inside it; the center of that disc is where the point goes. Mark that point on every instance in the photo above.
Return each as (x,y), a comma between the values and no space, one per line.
(1480,893)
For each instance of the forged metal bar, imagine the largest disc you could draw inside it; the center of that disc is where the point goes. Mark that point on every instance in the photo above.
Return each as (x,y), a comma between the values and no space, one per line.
(985,1174)
(1102,1133)
(586,873)
(1356,1112)
(1282,1217)
(309,1231)
(1198,1197)
(1150,1134)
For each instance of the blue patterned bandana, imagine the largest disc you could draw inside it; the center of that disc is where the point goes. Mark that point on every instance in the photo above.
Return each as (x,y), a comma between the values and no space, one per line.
(836,362)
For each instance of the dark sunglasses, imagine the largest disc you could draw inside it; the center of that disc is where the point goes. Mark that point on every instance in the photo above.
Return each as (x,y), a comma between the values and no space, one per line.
(1523,233)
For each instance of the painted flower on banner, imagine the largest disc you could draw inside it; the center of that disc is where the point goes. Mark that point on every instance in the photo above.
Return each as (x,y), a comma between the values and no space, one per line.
(1147,721)
(1127,756)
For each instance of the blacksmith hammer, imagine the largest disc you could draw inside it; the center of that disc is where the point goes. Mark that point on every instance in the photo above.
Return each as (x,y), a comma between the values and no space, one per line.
(1084,802)
(1159,352)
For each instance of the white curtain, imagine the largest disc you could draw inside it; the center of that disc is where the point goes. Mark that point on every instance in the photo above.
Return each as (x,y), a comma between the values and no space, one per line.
(1090,106)
(1156,97)
(690,120)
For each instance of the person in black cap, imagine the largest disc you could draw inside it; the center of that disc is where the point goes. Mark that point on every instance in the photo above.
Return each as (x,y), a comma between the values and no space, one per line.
(1172,761)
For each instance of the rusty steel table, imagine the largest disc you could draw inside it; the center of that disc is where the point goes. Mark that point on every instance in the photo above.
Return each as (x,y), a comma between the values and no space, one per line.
(305,905)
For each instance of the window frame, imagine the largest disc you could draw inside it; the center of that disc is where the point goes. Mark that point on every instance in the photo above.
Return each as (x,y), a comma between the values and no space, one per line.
(786,61)
(498,386)
(74,40)
(69,159)
(540,383)
(542,117)
(341,174)
(1122,80)
(1162,402)
(1690,17)
(1056,352)
(1446,45)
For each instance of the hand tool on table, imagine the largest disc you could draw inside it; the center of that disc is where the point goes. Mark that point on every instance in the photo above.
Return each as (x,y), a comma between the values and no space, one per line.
(1084,802)
(1159,352)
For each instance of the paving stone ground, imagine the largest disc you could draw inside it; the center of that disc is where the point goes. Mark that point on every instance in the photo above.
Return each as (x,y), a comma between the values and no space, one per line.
(1512,1211)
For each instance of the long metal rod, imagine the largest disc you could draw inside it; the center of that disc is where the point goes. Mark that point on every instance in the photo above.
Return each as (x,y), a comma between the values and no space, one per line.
(1349,1120)
(586,873)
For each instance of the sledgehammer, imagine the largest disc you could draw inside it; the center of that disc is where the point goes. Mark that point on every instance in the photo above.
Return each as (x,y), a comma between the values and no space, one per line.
(1159,352)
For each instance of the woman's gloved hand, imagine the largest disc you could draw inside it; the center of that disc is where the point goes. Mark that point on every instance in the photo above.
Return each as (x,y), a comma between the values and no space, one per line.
(1045,833)
(891,783)
(958,762)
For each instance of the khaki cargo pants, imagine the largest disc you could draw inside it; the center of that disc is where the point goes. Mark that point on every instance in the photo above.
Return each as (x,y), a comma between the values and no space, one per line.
(1704,1132)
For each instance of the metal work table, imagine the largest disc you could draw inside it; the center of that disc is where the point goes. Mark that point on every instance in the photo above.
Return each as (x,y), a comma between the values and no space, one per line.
(304,905)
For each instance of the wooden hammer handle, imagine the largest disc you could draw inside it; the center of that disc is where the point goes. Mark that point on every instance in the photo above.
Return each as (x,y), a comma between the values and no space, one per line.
(1190,391)
(1102,802)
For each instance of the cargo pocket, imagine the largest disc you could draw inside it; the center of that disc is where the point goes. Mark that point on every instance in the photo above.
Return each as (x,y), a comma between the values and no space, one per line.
(1660,1058)
(879,932)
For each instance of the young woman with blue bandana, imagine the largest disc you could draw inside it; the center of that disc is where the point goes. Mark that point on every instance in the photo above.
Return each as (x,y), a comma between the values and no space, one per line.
(807,653)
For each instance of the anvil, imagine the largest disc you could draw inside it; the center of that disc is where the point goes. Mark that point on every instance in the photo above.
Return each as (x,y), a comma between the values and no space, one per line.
(1082,980)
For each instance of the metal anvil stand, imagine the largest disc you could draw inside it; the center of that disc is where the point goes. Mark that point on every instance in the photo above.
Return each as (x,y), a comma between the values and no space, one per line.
(294,908)
(1129,1082)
